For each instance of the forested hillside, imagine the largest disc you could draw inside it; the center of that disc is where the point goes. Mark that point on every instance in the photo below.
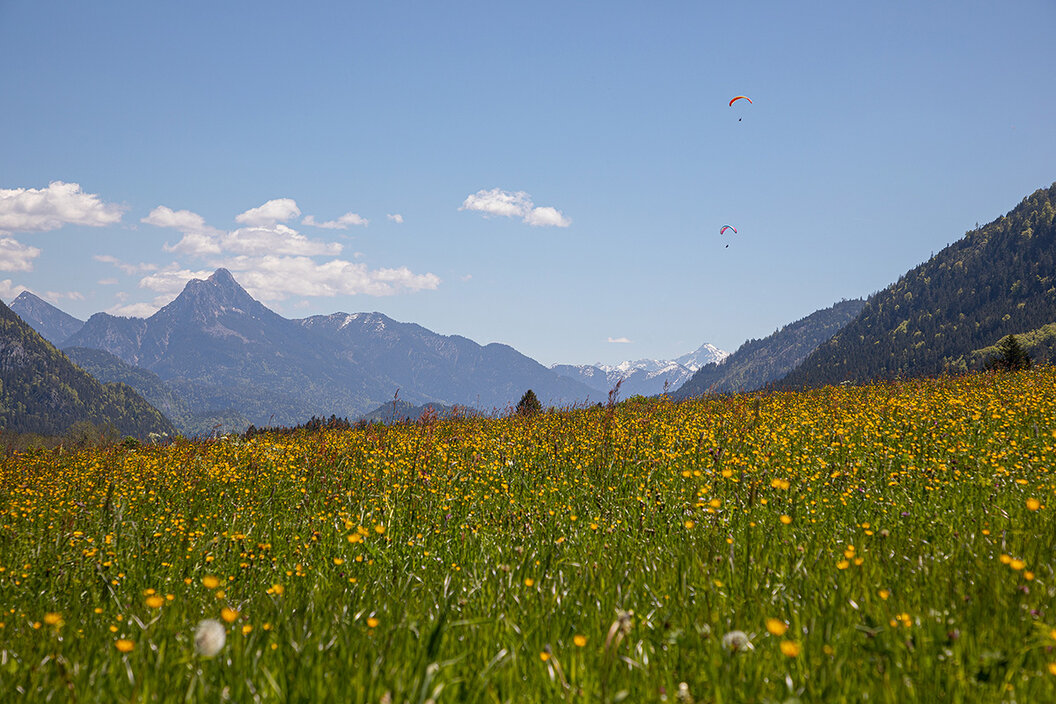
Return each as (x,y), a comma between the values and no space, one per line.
(190,422)
(996,280)
(42,391)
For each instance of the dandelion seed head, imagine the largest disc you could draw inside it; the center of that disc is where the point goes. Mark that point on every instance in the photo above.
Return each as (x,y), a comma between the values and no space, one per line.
(209,637)
(737,642)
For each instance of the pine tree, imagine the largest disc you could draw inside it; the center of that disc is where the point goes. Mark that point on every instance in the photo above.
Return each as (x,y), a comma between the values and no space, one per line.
(529,405)
(1011,356)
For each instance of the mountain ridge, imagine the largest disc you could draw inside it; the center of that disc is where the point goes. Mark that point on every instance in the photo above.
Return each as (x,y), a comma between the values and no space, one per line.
(220,349)
(997,280)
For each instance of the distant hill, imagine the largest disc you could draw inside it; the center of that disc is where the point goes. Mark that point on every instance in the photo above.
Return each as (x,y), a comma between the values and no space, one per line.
(42,391)
(400,411)
(997,280)
(108,368)
(446,369)
(54,325)
(759,362)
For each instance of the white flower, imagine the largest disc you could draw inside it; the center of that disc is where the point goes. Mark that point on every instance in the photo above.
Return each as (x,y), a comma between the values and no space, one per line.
(209,637)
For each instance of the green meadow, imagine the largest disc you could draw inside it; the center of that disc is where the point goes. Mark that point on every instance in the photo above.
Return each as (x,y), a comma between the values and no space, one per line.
(884,543)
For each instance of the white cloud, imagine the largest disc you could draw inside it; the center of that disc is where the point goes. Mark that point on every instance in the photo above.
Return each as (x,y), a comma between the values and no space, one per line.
(198,238)
(9,291)
(183,220)
(271,260)
(265,237)
(171,280)
(43,209)
(138,310)
(276,239)
(498,202)
(129,269)
(519,204)
(619,340)
(277,210)
(195,244)
(15,256)
(56,296)
(276,277)
(546,217)
(396,218)
(342,223)
(107,282)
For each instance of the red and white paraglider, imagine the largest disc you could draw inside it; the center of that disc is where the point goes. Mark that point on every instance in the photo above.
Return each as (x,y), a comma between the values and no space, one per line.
(727,227)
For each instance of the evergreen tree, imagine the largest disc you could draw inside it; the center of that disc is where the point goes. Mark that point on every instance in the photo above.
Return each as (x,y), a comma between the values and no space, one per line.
(1011,356)
(529,405)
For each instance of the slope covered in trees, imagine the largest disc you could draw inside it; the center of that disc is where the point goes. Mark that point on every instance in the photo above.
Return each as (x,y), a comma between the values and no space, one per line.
(42,391)
(190,422)
(995,281)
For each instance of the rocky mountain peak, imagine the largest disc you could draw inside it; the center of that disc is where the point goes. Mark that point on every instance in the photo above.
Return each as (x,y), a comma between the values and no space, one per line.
(205,299)
(53,324)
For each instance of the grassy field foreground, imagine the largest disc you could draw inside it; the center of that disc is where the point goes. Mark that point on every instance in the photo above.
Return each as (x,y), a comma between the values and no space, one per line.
(886,543)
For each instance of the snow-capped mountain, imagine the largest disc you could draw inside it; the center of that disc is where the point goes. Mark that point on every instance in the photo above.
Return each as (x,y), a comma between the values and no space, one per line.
(705,354)
(644,376)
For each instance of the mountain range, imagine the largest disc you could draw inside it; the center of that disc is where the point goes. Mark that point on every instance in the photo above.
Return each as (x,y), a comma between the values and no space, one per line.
(446,369)
(216,356)
(645,377)
(218,351)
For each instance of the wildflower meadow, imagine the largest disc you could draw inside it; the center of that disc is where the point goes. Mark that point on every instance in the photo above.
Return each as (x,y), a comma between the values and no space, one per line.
(885,543)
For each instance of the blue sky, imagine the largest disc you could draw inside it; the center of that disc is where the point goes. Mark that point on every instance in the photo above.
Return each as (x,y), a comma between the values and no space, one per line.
(552,175)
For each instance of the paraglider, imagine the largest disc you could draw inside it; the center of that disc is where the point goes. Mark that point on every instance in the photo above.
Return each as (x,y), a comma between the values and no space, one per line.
(739,97)
(727,227)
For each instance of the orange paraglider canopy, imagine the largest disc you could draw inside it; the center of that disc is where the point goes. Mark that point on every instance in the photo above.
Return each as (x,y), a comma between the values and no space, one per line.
(740,97)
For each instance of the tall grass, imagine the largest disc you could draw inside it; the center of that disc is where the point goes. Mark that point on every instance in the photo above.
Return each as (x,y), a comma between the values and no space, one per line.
(886,543)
